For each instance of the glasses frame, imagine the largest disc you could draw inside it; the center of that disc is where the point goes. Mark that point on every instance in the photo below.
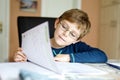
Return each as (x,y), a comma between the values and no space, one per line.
(66,28)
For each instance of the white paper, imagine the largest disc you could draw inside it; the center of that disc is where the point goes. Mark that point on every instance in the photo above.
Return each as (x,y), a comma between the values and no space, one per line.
(10,71)
(79,68)
(36,45)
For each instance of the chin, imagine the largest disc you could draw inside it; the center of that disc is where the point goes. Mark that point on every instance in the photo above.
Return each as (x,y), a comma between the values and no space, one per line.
(60,44)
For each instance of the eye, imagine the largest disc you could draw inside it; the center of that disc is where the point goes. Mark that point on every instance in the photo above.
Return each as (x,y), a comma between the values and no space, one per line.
(64,27)
(72,34)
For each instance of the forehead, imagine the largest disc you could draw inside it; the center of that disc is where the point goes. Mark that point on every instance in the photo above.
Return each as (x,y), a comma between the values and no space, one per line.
(72,26)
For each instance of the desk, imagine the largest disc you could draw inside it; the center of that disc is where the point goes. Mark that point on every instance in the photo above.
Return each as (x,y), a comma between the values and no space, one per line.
(10,71)
(114,74)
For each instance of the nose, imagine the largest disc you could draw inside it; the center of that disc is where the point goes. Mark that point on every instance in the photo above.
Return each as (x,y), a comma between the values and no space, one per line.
(66,33)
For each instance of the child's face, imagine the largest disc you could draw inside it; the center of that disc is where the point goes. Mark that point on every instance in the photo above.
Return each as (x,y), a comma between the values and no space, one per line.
(66,33)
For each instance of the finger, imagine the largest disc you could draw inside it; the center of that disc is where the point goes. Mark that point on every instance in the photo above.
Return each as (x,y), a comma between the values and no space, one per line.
(21,54)
(57,59)
(19,49)
(19,59)
(22,57)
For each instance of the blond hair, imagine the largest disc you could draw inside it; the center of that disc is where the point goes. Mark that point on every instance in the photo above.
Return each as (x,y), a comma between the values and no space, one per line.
(77,16)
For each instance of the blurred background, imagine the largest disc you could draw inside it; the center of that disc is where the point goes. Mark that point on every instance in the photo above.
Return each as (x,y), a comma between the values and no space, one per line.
(103,14)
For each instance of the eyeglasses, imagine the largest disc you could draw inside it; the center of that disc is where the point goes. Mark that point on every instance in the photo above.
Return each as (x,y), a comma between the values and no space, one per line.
(72,34)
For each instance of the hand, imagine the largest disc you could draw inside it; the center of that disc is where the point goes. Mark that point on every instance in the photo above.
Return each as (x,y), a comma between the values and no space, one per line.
(20,56)
(62,58)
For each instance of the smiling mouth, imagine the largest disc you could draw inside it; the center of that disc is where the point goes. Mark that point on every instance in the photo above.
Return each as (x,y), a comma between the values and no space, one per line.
(62,38)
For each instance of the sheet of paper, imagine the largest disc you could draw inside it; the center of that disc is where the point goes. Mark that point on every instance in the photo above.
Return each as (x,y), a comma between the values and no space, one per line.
(79,68)
(36,45)
(10,71)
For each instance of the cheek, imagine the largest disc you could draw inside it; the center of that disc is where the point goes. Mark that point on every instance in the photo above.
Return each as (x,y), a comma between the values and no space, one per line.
(57,32)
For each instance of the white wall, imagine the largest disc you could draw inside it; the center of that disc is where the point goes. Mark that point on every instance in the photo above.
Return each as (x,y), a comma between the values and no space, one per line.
(54,8)
(4,35)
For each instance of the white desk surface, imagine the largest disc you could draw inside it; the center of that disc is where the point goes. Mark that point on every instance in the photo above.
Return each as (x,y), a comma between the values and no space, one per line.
(10,71)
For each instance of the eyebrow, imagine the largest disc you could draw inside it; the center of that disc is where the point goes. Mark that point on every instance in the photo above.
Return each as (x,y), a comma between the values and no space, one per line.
(64,23)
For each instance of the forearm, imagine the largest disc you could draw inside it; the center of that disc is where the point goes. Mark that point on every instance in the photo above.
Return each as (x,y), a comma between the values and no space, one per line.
(93,56)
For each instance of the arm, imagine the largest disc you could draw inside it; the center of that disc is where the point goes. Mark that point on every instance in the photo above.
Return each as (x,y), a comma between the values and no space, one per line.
(87,54)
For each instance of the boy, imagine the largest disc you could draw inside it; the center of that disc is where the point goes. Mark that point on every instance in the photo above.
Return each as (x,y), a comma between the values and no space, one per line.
(70,27)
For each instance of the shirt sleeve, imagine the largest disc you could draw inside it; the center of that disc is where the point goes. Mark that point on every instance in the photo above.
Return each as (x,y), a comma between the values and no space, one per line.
(87,54)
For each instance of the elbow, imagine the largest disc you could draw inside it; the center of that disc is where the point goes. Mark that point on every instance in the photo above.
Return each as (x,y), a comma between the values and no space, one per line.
(102,58)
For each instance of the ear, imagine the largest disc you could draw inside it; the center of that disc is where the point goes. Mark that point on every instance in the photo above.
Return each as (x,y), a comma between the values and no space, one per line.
(56,22)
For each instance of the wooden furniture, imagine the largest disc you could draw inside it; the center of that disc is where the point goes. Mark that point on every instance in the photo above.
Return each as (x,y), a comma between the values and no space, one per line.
(109,39)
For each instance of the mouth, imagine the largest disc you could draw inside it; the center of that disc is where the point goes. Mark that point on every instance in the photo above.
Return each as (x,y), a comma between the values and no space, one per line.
(62,38)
